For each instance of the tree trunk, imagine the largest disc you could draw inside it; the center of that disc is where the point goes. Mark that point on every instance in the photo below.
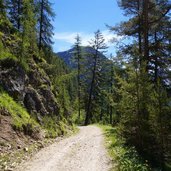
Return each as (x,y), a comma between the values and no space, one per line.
(156,60)
(79,83)
(111,91)
(19,13)
(145,33)
(139,34)
(41,26)
(87,120)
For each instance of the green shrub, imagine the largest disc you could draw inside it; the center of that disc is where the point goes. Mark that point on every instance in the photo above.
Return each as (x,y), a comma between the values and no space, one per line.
(4,52)
(49,123)
(124,158)
(54,127)
(24,64)
(76,119)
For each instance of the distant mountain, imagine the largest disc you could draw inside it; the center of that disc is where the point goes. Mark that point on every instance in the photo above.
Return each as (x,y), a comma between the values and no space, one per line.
(67,56)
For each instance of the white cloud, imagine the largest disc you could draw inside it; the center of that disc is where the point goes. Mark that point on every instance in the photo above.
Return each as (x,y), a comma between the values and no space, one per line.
(62,48)
(69,37)
(65,37)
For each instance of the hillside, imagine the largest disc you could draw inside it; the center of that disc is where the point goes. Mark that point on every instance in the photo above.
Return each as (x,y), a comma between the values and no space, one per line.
(68,56)
(31,109)
(32,90)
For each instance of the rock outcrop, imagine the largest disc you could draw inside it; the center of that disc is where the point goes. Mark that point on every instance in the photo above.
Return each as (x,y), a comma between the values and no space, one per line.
(31,88)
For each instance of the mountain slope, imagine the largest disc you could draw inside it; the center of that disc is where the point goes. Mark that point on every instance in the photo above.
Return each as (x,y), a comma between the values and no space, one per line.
(68,56)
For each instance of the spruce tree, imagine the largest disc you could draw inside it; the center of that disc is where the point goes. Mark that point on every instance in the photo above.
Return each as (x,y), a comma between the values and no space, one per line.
(78,59)
(28,21)
(45,16)
(111,87)
(4,22)
(142,88)
(98,44)
(15,8)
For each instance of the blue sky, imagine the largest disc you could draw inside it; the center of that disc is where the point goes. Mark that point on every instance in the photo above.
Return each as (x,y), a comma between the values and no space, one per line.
(83,17)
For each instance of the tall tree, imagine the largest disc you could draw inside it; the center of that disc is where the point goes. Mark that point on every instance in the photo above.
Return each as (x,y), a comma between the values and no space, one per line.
(98,44)
(145,32)
(45,27)
(78,58)
(4,22)
(15,12)
(28,21)
(147,62)
(2,9)
(111,87)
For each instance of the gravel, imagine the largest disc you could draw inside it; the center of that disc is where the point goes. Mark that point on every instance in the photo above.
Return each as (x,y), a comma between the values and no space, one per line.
(82,152)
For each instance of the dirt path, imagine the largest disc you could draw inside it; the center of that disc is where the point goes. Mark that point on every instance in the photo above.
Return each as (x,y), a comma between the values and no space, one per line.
(82,152)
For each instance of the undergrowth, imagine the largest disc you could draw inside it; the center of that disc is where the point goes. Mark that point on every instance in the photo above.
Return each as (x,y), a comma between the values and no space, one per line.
(50,124)
(78,120)
(55,127)
(21,120)
(124,158)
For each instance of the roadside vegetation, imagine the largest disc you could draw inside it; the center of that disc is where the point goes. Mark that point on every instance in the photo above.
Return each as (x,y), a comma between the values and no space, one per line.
(124,158)
(21,120)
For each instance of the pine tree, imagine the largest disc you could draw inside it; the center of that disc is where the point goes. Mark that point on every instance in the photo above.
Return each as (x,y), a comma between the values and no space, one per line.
(111,88)
(141,91)
(160,121)
(15,8)
(28,22)
(78,58)
(99,46)
(2,9)
(45,28)
(142,24)
(4,22)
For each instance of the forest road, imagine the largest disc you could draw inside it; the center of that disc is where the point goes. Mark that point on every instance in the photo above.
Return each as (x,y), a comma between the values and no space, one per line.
(82,152)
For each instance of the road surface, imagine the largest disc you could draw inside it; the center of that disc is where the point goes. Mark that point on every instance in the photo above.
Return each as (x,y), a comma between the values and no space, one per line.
(82,152)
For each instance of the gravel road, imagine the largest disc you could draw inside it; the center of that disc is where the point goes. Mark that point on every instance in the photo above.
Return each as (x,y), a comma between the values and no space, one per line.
(82,152)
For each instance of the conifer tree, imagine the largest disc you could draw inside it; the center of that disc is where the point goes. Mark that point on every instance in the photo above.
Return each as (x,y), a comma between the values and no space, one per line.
(4,22)
(99,46)
(78,58)
(45,28)
(111,87)
(142,89)
(28,21)
(15,8)
(2,8)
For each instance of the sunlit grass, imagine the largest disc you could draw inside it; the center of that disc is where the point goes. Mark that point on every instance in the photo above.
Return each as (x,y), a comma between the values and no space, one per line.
(124,158)
(20,117)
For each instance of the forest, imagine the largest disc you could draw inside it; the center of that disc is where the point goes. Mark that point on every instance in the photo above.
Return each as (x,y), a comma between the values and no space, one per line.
(130,91)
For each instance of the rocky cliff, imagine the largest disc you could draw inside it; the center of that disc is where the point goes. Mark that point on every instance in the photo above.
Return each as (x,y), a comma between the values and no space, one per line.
(31,88)
(27,103)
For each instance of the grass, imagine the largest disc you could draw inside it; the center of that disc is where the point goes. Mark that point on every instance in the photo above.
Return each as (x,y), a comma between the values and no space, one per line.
(124,158)
(76,119)
(21,119)
(50,124)
(55,127)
